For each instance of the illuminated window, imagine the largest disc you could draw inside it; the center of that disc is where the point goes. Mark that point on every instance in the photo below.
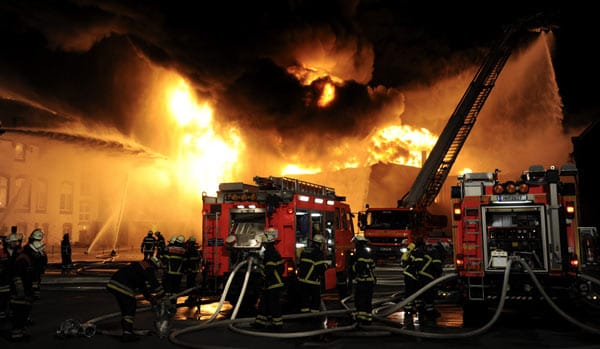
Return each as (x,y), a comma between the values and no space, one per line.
(3,192)
(23,194)
(66,197)
(41,195)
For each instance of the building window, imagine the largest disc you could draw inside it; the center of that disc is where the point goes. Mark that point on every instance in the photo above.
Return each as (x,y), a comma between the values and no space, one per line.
(66,197)
(23,194)
(19,151)
(84,211)
(3,192)
(41,195)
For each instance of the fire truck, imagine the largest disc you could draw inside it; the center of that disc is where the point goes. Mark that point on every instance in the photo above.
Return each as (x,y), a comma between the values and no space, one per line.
(388,228)
(290,210)
(531,219)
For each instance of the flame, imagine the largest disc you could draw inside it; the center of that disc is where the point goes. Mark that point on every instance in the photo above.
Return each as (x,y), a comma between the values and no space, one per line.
(327,95)
(402,145)
(292,169)
(323,80)
(200,147)
(307,75)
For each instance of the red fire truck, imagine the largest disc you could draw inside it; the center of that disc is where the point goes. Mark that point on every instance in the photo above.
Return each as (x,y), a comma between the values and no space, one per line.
(289,209)
(388,227)
(533,219)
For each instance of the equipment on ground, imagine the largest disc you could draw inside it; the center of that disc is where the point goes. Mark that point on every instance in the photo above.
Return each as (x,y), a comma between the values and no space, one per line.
(74,328)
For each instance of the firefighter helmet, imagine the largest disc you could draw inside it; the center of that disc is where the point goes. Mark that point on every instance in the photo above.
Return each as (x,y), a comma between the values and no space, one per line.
(12,237)
(230,239)
(192,239)
(318,238)
(155,262)
(359,239)
(37,234)
(180,239)
(173,240)
(37,246)
(267,239)
(150,233)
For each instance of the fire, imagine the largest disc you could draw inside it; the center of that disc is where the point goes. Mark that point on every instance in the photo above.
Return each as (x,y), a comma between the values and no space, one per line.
(323,80)
(298,169)
(402,145)
(307,75)
(327,96)
(200,147)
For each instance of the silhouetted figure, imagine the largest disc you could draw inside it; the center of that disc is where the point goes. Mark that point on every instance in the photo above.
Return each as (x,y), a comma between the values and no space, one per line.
(65,254)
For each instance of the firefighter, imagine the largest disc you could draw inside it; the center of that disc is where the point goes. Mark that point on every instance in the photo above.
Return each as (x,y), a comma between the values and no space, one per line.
(269,304)
(148,245)
(311,272)
(363,267)
(40,263)
(127,282)
(192,268)
(65,254)
(432,269)
(24,277)
(174,261)
(160,244)
(411,262)
(8,252)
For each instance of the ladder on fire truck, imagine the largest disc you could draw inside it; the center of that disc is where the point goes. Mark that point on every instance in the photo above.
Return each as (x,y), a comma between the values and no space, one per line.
(430,179)
(286,184)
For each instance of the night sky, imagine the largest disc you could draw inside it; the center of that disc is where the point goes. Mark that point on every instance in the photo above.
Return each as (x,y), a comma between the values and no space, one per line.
(89,60)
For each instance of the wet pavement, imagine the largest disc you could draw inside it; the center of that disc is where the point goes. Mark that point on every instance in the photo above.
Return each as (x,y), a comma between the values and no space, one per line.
(82,297)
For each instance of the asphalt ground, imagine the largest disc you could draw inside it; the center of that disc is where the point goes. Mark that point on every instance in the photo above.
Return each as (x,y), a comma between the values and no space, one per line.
(82,297)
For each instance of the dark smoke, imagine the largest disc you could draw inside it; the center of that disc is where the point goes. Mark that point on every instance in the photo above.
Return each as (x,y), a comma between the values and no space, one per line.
(93,60)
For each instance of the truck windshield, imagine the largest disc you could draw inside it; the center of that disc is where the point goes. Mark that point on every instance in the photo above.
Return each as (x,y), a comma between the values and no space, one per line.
(388,219)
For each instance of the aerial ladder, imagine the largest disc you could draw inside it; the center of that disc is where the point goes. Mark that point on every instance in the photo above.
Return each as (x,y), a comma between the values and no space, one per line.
(434,172)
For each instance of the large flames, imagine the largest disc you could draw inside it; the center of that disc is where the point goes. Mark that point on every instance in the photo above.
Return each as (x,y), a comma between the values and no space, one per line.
(207,153)
(204,158)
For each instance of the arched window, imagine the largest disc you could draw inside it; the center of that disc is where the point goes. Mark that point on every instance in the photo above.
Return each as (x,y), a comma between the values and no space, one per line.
(41,195)
(23,194)
(66,197)
(3,192)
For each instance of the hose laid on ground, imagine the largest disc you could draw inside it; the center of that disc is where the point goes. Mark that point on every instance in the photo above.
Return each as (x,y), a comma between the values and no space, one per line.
(445,335)
(553,305)
(387,310)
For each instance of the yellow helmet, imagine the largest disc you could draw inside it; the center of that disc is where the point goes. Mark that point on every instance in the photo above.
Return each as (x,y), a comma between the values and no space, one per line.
(318,238)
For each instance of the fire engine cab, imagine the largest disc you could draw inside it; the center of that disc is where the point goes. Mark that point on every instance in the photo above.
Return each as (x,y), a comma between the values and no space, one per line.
(533,219)
(290,210)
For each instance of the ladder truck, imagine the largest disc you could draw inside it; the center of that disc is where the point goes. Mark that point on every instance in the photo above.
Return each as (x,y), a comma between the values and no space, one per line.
(390,229)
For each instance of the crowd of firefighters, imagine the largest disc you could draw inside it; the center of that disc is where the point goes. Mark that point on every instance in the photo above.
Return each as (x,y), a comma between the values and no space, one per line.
(21,270)
(159,277)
